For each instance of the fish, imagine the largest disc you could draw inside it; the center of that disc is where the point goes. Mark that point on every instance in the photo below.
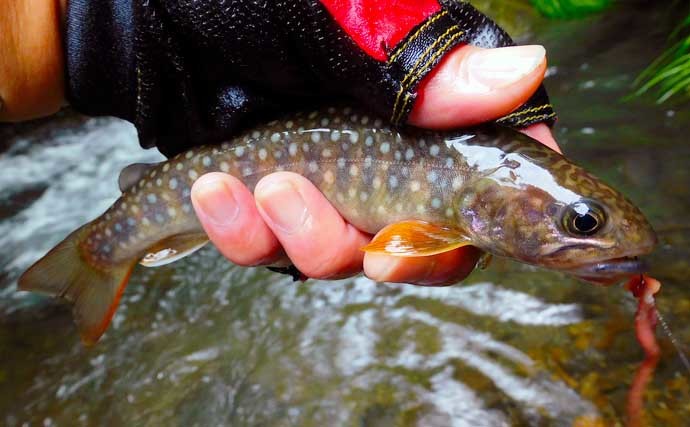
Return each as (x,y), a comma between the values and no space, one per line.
(419,192)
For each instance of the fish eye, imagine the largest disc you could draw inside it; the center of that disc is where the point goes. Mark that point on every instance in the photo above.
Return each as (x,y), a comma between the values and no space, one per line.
(584,218)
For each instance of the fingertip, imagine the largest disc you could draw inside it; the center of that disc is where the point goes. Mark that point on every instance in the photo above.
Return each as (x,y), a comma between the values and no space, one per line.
(317,239)
(472,85)
(227,212)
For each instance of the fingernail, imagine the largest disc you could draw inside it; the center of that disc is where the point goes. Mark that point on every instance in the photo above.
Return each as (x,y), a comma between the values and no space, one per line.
(284,206)
(381,269)
(485,70)
(216,202)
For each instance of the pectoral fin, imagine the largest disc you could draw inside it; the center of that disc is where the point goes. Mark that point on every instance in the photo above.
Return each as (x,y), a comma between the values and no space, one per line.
(416,238)
(173,248)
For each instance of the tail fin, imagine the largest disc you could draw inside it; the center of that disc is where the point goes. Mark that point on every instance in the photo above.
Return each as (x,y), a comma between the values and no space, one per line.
(95,292)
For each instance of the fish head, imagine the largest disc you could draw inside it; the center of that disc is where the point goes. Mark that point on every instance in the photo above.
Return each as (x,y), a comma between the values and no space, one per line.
(556,215)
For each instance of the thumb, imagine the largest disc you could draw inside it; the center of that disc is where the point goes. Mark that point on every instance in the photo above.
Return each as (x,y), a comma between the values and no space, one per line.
(472,85)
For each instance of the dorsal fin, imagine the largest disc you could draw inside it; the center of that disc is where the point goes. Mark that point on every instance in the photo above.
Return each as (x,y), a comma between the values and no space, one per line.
(131,174)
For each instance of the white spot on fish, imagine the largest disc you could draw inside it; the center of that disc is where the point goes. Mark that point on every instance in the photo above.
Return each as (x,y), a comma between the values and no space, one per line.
(381,209)
(363,196)
(393,181)
(108,232)
(206,161)
(131,222)
(179,166)
(118,227)
(399,207)
(409,154)
(145,221)
(340,162)
(239,151)
(159,182)
(354,170)
(414,186)
(457,183)
(385,148)
(172,212)
(352,192)
(434,149)
(292,149)
(449,162)
(449,212)
(275,137)
(368,161)
(305,147)
(149,184)
(377,123)
(326,152)
(432,177)
(335,135)
(313,114)
(256,134)
(263,154)
(166,167)
(159,218)
(247,171)
(354,136)
(224,167)
(435,203)
(369,141)
(315,137)
(192,174)
(325,122)
(289,124)
(134,209)
(189,154)
(421,143)
(329,177)
(186,208)
(313,167)
(277,154)
(398,155)
(365,120)
(340,198)
(421,208)
(151,198)
(376,182)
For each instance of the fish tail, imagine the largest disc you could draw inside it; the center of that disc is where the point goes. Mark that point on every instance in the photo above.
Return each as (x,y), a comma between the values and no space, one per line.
(94,292)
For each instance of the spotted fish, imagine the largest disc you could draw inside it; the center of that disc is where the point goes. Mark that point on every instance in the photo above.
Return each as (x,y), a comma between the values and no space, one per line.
(423,192)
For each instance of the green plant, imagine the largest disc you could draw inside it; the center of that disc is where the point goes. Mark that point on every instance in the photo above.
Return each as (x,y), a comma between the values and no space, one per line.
(670,72)
(569,9)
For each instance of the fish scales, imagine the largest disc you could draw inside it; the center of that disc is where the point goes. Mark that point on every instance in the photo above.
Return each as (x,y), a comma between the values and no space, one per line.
(424,192)
(372,175)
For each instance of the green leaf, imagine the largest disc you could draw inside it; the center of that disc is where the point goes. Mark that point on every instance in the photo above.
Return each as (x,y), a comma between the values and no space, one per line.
(569,9)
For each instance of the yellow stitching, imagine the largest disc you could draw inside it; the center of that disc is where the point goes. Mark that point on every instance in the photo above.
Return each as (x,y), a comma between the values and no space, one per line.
(529,110)
(428,63)
(414,66)
(538,116)
(421,57)
(414,36)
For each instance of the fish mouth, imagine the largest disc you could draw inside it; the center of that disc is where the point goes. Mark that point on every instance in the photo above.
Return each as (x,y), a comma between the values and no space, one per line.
(610,271)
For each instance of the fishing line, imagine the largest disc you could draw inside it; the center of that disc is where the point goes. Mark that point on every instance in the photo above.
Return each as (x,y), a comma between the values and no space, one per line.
(672,338)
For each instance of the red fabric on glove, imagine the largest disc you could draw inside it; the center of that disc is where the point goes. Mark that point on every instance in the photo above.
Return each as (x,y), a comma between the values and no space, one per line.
(379,25)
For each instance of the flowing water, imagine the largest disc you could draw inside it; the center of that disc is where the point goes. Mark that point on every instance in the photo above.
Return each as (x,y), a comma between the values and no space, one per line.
(202,342)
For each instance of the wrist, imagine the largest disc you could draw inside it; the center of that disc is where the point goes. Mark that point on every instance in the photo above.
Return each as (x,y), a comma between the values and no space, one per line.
(31,59)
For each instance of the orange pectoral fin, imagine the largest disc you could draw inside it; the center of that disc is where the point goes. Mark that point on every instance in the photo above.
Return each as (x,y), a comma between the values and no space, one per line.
(416,238)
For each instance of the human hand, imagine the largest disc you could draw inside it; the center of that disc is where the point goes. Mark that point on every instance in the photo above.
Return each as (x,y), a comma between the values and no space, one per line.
(289,218)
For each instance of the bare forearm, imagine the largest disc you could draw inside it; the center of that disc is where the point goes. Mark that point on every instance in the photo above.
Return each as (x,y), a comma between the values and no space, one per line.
(31,58)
